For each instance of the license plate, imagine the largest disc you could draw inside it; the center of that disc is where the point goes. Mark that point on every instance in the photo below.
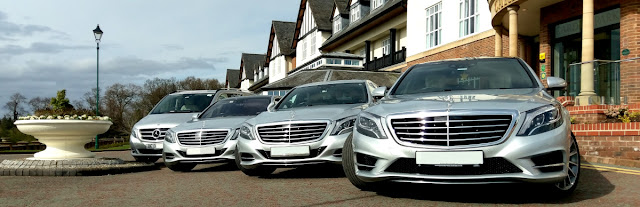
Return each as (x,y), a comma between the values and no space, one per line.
(289,151)
(450,158)
(154,146)
(201,151)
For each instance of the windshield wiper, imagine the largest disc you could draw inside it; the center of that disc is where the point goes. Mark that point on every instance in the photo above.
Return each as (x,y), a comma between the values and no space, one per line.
(186,111)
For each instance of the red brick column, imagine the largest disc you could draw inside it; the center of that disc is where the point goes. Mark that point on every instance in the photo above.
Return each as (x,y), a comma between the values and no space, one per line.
(630,39)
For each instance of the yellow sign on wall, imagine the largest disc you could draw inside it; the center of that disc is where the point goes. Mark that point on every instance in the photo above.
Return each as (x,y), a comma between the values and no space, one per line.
(543,56)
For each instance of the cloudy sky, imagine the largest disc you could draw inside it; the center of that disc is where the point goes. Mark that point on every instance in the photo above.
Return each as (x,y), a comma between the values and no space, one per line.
(46,46)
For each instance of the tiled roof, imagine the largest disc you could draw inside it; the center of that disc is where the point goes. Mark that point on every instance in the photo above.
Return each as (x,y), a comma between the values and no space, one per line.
(322,10)
(343,7)
(252,62)
(374,14)
(284,31)
(233,77)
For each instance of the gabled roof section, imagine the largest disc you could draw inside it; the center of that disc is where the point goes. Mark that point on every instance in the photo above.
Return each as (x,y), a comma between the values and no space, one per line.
(342,6)
(378,16)
(251,62)
(321,10)
(284,31)
(233,77)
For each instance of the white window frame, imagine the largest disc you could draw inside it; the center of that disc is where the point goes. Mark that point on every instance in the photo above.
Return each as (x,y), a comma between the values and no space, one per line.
(377,3)
(312,45)
(337,24)
(304,49)
(386,46)
(468,17)
(434,25)
(355,12)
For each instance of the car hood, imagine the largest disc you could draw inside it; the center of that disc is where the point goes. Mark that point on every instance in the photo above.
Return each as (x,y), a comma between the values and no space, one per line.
(163,120)
(216,123)
(328,112)
(520,100)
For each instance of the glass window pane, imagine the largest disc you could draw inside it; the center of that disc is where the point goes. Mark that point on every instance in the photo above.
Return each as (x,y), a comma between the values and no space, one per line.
(471,25)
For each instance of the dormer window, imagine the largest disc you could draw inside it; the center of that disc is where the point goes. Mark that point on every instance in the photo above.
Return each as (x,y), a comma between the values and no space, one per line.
(355,12)
(337,24)
(377,3)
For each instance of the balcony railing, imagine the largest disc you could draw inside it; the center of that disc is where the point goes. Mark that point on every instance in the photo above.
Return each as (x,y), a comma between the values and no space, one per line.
(387,60)
(606,81)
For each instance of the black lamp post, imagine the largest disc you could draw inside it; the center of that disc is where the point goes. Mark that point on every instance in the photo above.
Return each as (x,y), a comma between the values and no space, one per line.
(98,35)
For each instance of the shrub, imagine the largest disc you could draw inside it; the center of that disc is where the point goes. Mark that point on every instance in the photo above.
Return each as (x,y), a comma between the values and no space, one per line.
(629,117)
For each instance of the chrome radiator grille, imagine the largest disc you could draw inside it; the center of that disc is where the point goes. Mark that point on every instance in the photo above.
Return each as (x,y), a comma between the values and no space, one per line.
(153,134)
(292,132)
(451,130)
(202,137)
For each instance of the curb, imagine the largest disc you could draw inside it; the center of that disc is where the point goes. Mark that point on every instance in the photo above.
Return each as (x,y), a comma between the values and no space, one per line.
(78,167)
(612,161)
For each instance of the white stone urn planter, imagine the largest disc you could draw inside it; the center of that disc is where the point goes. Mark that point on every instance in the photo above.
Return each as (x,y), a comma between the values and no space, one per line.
(65,139)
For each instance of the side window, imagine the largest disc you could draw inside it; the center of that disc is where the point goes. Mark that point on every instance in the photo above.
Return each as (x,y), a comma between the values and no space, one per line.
(223,96)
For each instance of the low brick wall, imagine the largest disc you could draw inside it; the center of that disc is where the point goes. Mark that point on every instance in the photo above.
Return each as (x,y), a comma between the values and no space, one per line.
(610,140)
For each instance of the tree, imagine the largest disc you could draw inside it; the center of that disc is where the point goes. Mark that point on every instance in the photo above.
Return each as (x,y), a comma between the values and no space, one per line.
(154,90)
(90,99)
(193,83)
(61,103)
(40,104)
(118,100)
(14,105)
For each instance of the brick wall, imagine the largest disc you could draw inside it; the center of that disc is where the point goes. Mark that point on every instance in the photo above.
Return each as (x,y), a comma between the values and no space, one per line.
(622,147)
(630,39)
(482,47)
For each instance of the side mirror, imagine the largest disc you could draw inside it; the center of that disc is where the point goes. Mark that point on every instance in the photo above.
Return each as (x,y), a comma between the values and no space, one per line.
(379,92)
(271,107)
(555,83)
(195,117)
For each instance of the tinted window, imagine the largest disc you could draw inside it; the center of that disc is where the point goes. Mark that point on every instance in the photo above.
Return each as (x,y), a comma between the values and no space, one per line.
(475,74)
(345,93)
(183,103)
(237,107)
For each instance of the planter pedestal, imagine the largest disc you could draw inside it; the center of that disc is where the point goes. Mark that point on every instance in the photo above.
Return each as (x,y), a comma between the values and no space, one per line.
(65,139)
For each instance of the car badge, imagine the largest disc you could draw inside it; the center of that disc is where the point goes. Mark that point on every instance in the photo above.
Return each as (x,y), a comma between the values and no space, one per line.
(293,115)
(156,133)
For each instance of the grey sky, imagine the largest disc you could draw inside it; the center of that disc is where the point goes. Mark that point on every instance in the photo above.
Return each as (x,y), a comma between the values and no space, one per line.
(47,46)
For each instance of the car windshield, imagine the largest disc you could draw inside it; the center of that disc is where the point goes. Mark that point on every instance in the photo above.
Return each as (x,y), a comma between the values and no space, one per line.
(237,107)
(183,103)
(476,74)
(342,93)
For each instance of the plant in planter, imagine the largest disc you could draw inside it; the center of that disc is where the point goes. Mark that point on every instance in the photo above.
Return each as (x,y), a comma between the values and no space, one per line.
(64,134)
(613,114)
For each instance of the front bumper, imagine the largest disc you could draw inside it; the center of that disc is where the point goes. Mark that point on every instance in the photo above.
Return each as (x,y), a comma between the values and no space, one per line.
(326,150)
(525,155)
(145,148)
(177,153)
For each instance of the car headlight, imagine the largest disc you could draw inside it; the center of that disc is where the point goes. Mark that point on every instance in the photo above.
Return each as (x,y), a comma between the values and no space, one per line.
(235,134)
(134,134)
(369,125)
(344,125)
(540,120)
(168,136)
(246,132)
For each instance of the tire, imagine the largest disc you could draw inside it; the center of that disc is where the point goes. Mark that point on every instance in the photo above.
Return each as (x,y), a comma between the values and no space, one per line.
(570,182)
(146,159)
(180,167)
(256,171)
(349,167)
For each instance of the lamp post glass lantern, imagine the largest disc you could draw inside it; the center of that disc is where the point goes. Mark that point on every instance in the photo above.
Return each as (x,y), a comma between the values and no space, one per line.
(97,33)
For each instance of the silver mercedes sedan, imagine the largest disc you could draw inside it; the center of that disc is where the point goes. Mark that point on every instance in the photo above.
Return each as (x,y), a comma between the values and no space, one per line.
(307,126)
(211,136)
(465,121)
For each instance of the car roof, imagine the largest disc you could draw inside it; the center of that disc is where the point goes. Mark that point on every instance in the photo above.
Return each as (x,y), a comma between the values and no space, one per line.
(331,82)
(194,92)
